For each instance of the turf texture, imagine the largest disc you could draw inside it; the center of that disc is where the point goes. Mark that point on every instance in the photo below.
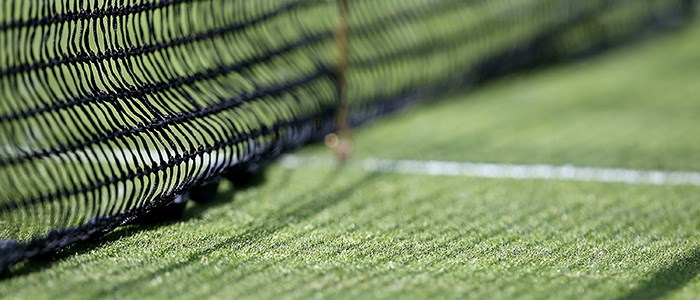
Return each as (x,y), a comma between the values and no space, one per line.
(346,233)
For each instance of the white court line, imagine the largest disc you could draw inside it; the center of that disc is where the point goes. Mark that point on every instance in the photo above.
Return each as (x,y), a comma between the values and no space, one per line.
(511,171)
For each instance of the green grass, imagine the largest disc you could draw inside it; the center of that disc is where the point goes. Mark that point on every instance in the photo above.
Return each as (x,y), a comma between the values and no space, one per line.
(637,108)
(349,234)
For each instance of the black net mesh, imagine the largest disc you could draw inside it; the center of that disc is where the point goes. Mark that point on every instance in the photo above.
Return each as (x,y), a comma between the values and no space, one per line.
(110,109)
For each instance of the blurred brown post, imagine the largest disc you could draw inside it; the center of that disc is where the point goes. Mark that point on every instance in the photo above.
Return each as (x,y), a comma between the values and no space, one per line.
(341,142)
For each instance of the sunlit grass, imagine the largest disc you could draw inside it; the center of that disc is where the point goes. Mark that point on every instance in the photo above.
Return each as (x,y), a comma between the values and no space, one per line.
(349,234)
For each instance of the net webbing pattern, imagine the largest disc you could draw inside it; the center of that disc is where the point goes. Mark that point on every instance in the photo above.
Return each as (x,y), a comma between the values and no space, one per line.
(112,109)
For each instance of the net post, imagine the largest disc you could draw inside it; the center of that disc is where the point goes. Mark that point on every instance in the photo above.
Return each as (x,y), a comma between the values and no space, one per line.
(341,141)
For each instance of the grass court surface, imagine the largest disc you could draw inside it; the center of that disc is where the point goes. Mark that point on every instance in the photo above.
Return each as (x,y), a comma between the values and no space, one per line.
(319,232)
